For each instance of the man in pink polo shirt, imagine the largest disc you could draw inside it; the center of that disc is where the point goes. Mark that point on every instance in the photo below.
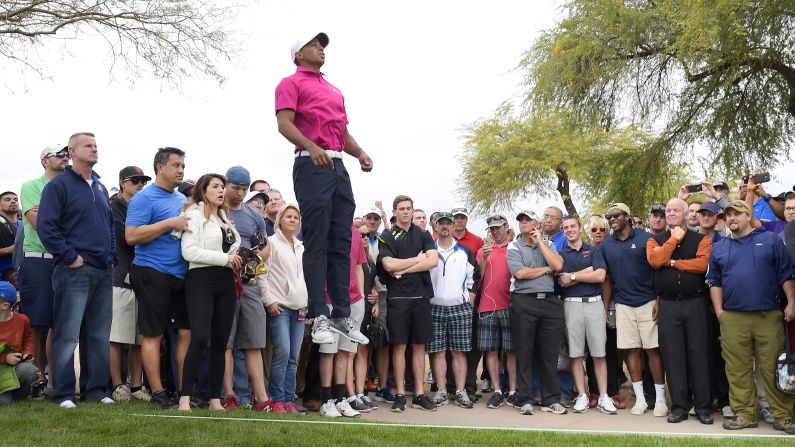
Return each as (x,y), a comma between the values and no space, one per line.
(311,114)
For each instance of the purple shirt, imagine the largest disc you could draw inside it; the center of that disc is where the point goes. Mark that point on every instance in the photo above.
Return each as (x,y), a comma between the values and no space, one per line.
(319,108)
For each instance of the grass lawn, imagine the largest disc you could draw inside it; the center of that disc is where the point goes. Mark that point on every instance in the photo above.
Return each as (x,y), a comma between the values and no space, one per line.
(126,424)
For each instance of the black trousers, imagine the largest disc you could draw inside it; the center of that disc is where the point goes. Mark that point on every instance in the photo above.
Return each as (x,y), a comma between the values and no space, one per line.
(537,324)
(685,347)
(210,299)
(720,384)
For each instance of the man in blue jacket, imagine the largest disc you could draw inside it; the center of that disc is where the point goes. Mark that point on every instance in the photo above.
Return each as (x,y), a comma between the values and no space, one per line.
(746,272)
(75,225)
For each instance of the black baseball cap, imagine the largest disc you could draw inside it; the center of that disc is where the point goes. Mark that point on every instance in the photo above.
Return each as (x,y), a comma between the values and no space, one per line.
(133,171)
(657,208)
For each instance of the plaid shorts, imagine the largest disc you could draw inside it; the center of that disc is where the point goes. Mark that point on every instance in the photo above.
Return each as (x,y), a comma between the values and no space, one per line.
(452,328)
(494,331)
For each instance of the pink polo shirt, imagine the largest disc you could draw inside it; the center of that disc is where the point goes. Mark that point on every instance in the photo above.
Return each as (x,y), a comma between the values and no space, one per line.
(319,108)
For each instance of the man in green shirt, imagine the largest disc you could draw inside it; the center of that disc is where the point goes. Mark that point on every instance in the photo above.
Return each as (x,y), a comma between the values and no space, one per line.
(35,271)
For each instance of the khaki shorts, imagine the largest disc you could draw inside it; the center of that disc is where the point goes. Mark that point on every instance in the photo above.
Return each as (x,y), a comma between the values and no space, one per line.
(635,327)
(124,326)
(585,325)
(344,343)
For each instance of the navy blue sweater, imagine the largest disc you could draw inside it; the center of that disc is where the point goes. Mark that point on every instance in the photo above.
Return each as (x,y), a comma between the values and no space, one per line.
(75,219)
(750,270)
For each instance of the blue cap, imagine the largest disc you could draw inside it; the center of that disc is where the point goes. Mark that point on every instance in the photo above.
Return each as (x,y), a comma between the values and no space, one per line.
(712,207)
(8,292)
(238,175)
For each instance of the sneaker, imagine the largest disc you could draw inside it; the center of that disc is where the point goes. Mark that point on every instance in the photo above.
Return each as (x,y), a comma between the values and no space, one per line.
(359,405)
(198,402)
(329,410)
(122,393)
(555,408)
(279,408)
(618,400)
(162,400)
(739,423)
(485,386)
(474,397)
(766,415)
(67,404)
(37,389)
(495,401)
(246,406)
(231,402)
(348,328)
(692,411)
(370,386)
(527,409)
(462,399)
(423,402)
(581,403)
(441,398)
(265,406)
(107,400)
(384,395)
(606,405)
(399,403)
(660,409)
(640,408)
(787,425)
(593,400)
(429,380)
(368,402)
(727,412)
(292,408)
(511,400)
(321,332)
(142,394)
(345,409)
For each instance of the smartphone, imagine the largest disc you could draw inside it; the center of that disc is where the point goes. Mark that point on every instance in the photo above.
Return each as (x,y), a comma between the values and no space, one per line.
(379,205)
(764,177)
(695,188)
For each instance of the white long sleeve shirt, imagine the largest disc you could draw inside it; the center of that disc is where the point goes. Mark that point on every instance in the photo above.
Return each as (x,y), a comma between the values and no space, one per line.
(453,276)
(202,246)
(284,282)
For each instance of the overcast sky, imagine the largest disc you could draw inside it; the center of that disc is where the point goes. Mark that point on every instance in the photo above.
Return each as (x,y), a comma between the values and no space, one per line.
(413,75)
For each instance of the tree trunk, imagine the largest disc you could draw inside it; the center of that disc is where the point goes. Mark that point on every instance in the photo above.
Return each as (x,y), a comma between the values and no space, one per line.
(563,190)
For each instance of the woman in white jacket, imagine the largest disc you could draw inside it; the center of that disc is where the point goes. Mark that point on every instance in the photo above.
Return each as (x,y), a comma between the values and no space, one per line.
(210,246)
(285,296)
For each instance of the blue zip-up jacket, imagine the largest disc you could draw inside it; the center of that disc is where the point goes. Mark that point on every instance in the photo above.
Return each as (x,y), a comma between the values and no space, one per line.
(750,270)
(75,219)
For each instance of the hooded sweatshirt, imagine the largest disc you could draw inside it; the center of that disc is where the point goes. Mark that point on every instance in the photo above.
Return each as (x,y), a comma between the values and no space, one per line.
(750,270)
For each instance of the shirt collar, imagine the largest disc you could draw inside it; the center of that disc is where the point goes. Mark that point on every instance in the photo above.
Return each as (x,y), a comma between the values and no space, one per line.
(308,71)
(567,248)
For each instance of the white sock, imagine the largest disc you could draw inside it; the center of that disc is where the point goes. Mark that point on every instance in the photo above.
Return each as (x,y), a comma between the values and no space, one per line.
(352,398)
(638,388)
(360,396)
(512,392)
(605,396)
(498,392)
(660,389)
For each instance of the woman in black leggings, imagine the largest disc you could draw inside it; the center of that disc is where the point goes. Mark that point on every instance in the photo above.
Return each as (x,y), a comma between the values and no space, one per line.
(210,291)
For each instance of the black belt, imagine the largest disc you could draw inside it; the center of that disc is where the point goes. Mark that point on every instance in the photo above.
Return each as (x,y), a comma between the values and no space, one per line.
(680,297)
(536,295)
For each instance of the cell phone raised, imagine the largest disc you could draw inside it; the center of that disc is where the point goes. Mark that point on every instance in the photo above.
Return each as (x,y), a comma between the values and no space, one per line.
(379,205)
(763,177)
(695,188)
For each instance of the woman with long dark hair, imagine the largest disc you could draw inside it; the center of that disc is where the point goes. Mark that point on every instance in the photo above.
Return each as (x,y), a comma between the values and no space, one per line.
(210,246)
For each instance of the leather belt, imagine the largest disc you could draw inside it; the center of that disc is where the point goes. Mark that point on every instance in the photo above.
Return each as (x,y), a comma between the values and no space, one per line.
(35,254)
(330,153)
(536,295)
(583,299)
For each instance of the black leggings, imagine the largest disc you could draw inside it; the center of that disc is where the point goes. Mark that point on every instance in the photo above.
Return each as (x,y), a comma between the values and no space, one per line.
(210,298)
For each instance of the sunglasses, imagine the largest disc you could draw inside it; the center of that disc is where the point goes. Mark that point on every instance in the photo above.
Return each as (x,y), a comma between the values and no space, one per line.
(638,222)
(136,180)
(613,216)
(229,236)
(365,235)
(595,229)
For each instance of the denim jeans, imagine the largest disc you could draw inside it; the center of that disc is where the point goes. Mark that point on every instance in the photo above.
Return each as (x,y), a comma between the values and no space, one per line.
(82,310)
(240,377)
(287,333)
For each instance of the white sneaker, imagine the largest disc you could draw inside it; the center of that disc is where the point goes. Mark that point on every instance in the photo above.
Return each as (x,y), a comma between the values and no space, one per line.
(692,411)
(369,402)
(67,404)
(344,408)
(606,405)
(329,410)
(485,386)
(430,377)
(526,409)
(142,394)
(660,409)
(122,392)
(441,398)
(348,328)
(321,332)
(107,400)
(728,412)
(640,408)
(581,404)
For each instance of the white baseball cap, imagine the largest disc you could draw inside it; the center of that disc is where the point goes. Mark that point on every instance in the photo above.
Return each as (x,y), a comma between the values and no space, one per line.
(53,150)
(321,37)
(372,210)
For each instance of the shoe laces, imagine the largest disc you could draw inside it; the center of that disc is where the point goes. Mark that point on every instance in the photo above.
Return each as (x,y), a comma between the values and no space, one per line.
(321,324)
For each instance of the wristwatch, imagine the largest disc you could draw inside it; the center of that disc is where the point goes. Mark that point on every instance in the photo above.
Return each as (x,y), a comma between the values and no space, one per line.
(672,262)
(573,277)
(547,270)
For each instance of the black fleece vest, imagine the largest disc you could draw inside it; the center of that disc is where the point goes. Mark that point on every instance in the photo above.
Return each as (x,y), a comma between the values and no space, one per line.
(670,283)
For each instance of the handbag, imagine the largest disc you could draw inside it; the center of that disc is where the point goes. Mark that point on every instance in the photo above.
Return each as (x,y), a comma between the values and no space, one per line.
(785,367)
(376,333)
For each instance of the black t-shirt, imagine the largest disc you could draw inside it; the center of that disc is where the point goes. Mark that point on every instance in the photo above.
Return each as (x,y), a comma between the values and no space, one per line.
(125,253)
(401,244)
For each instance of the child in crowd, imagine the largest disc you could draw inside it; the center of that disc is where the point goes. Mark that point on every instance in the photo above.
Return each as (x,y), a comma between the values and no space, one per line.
(16,349)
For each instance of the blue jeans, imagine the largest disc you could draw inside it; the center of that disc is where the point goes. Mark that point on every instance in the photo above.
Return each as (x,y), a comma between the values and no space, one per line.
(240,377)
(327,206)
(82,310)
(287,333)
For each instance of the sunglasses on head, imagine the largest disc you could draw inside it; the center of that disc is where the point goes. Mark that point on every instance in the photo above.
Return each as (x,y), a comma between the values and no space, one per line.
(136,180)
(595,229)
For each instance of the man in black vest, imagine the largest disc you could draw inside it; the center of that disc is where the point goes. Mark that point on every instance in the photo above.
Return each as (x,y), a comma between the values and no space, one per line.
(680,258)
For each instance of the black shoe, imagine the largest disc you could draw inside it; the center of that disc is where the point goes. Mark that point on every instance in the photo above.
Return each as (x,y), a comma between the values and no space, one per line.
(198,402)
(162,400)
(705,417)
(399,406)
(677,417)
(423,402)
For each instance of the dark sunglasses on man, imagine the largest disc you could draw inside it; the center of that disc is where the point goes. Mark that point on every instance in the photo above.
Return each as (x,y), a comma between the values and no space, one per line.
(136,180)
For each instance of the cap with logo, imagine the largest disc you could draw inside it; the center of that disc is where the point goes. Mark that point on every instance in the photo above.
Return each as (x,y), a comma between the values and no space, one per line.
(372,210)
(712,207)
(255,194)
(528,214)
(496,220)
(622,207)
(133,171)
(443,215)
(460,212)
(657,208)
(238,175)
(721,185)
(53,151)
(740,206)
(7,292)
(300,43)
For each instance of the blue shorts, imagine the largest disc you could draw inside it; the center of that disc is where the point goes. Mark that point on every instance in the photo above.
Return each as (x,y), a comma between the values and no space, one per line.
(35,290)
